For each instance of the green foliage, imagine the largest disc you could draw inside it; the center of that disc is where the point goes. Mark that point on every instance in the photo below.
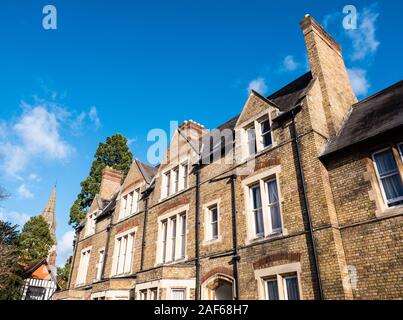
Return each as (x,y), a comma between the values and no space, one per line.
(10,269)
(113,153)
(63,274)
(35,240)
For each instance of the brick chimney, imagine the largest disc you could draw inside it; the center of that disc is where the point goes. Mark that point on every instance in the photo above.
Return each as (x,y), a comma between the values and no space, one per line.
(111,180)
(193,130)
(327,65)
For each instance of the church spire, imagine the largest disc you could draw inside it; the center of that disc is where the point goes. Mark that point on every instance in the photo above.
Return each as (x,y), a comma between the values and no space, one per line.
(49,214)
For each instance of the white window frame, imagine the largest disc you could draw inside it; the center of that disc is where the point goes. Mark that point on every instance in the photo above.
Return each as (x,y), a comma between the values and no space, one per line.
(280,273)
(100,264)
(256,126)
(85,256)
(130,208)
(127,252)
(167,246)
(261,179)
(213,237)
(178,181)
(90,226)
(183,290)
(385,199)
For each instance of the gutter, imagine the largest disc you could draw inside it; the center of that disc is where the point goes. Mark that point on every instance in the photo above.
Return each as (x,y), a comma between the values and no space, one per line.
(197,226)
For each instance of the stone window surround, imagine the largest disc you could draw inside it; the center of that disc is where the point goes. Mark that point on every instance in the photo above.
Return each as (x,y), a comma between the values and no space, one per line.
(243,138)
(206,209)
(267,174)
(168,284)
(376,193)
(181,188)
(80,267)
(125,193)
(115,253)
(177,212)
(261,275)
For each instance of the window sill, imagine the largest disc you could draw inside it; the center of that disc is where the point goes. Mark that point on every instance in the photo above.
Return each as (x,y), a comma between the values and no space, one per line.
(128,217)
(389,211)
(273,235)
(174,195)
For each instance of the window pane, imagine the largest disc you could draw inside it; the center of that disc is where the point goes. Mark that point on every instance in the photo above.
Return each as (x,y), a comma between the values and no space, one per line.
(385,163)
(178,294)
(168,184)
(185,176)
(154,294)
(393,187)
(390,177)
(401,150)
(173,238)
(272,290)
(256,198)
(176,180)
(183,236)
(266,134)
(259,226)
(251,141)
(274,206)
(164,240)
(292,288)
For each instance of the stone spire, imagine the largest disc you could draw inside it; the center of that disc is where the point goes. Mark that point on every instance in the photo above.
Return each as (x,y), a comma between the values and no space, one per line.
(49,214)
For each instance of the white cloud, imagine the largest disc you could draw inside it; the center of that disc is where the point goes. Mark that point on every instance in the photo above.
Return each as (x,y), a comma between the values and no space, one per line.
(14,217)
(93,114)
(65,247)
(24,192)
(363,38)
(258,85)
(359,81)
(36,134)
(289,64)
(34,177)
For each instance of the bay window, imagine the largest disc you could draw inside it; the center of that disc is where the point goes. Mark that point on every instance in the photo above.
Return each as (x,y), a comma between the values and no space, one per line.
(389,177)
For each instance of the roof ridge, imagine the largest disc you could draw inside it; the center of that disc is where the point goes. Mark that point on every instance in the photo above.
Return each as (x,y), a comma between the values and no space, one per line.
(357,104)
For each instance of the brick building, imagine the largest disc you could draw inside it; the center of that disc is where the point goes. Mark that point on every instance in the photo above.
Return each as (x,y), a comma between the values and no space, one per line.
(300,196)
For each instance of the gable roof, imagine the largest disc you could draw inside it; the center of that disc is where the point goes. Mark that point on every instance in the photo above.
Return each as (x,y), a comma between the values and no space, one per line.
(370,118)
(288,96)
(148,172)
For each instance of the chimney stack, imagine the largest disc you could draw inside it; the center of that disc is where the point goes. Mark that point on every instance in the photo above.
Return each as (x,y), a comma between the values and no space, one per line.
(327,65)
(111,180)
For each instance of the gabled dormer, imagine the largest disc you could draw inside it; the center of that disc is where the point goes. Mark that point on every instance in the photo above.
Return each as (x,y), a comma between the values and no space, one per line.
(139,177)
(253,130)
(183,151)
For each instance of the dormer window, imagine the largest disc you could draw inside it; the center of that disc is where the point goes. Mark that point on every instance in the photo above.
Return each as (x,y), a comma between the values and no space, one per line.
(130,203)
(258,136)
(175,180)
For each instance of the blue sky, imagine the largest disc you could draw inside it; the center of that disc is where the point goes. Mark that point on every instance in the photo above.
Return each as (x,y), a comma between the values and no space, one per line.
(131,66)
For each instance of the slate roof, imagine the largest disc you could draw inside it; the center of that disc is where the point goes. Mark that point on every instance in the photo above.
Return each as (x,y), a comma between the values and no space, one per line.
(370,118)
(288,96)
(147,171)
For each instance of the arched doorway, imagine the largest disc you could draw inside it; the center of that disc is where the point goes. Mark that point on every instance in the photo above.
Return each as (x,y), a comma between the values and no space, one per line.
(218,287)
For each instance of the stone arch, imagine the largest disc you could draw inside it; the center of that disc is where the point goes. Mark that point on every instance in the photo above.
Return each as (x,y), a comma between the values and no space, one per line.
(219,286)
